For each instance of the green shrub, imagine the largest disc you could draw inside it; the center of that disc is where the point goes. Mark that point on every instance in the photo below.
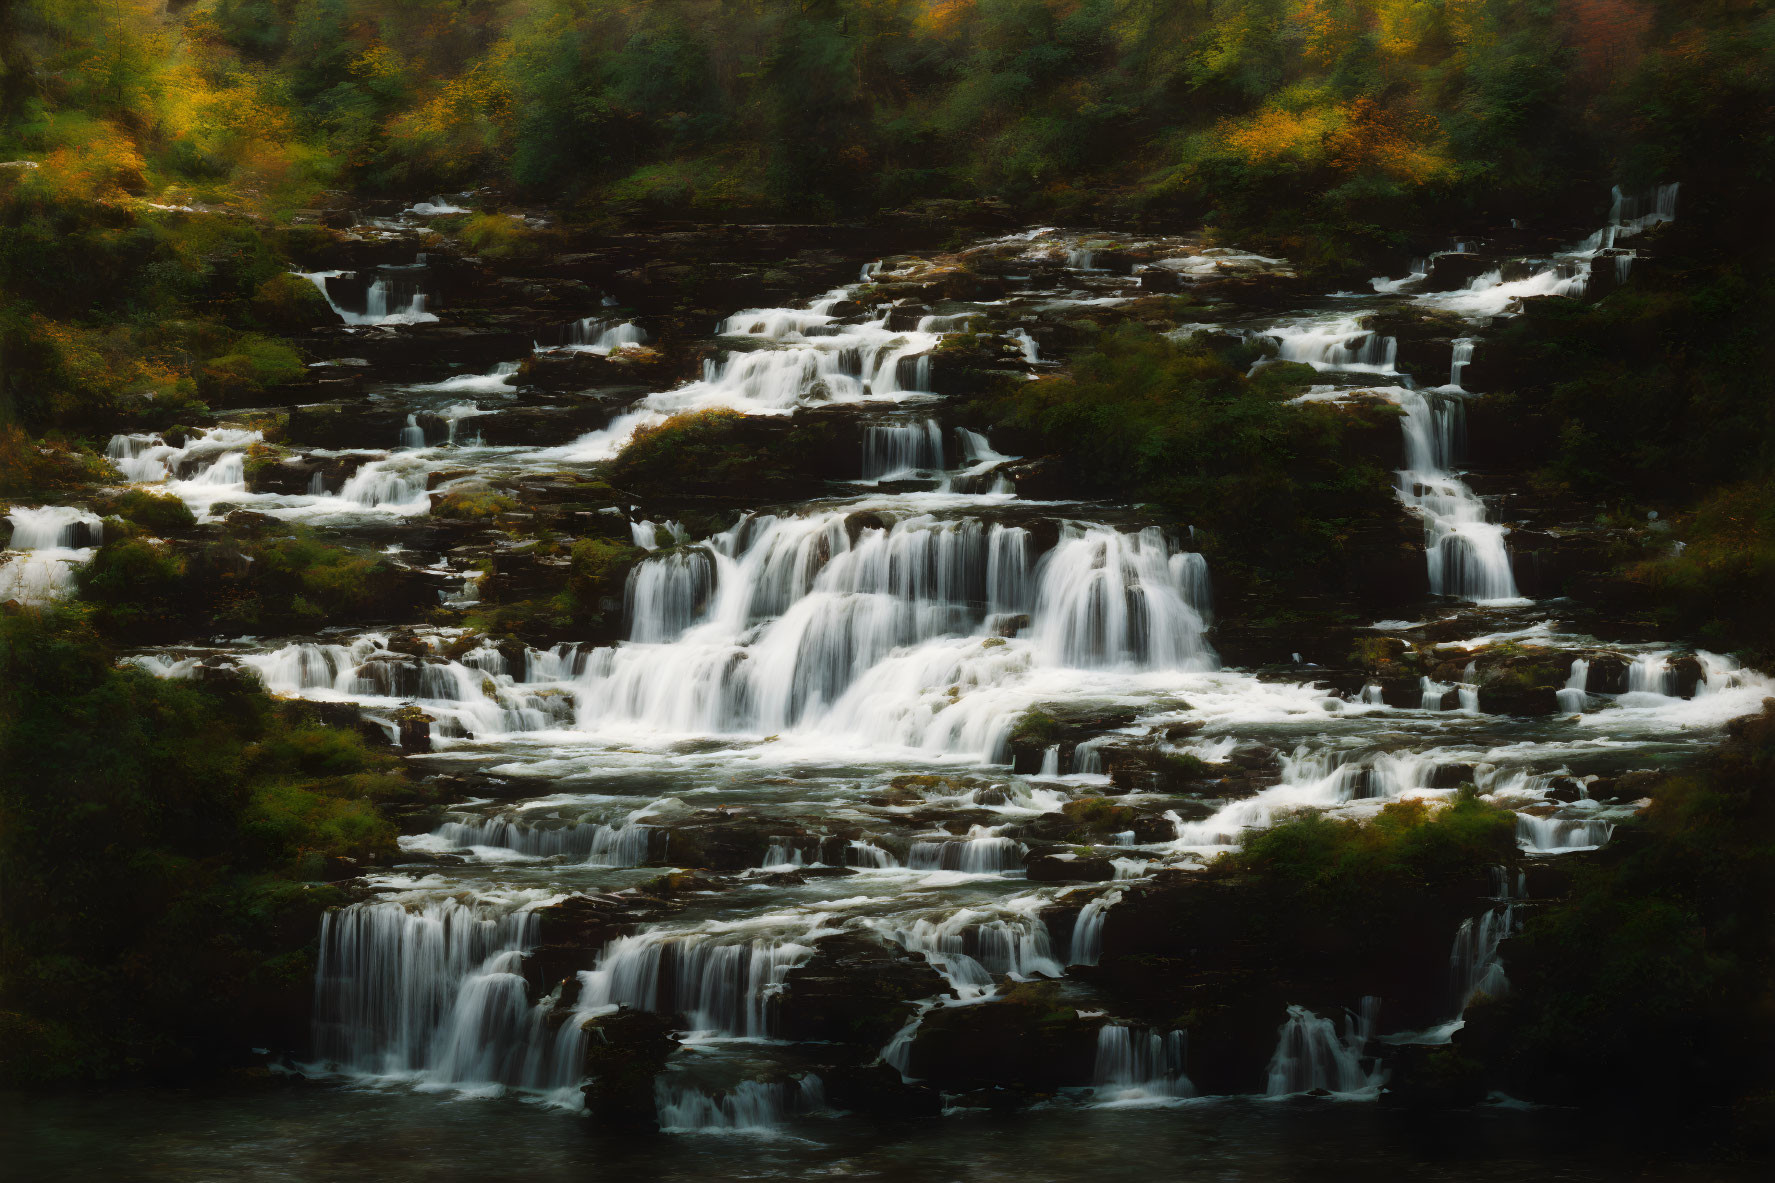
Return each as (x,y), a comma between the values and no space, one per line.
(157,513)
(288,303)
(473,504)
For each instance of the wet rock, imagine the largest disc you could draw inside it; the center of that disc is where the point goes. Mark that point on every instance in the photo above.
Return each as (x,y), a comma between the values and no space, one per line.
(415,727)
(1067,867)
(1450,776)
(1160,279)
(856,991)
(1607,674)
(732,842)
(1563,788)
(623,1053)
(878,1091)
(576,371)
(1452,272)
(1685,675)
(1028,1039)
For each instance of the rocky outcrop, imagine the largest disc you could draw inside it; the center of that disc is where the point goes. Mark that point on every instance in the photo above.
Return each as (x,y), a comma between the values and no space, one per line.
(855,992)
(1030,1040)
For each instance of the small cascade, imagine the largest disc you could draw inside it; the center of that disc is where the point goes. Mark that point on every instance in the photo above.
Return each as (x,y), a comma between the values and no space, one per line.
(1420,271)
(894,450)
(1087,931)
(646,534)
(430,989)
(384,485)
(812,360)
(498,380)
(866,856)
(782,852)
(53,542)
(668,593)
(1031,354)
(1466,554)
(753,1106)
(1110,600)
(982,852)
(1138,1065)
(594,845)
(412,435)
(1474,967)
(464,701)
(1337,345)
(602,335)
(972,945)
(1459,358)
(1559,835)
(1571,696)
(721,986)
(1650,673)
(395,299)
(1311,1055)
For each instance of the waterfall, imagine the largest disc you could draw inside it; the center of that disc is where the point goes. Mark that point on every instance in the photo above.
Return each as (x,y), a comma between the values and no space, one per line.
(592,844)
(1459,358)
(430,990)
(1473,964)
(866,856)
(1571,696)
(1087,931)
(382,484)
(811,361)
(646,534)
(412,435)
(982,852)
(498,380)
(969,946)
(1466,554)
(720,986)
(54,543)
(1557,835)
(387,301)
(902,449)
(1338,344)
(1110,600)
(1026,343)
(1137,1064)
(753,1105)
(667,594)
(602,336)
(810,625)
(1310,1055)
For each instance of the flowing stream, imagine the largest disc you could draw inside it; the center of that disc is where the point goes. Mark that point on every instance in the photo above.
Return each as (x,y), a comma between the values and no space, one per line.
(849,673)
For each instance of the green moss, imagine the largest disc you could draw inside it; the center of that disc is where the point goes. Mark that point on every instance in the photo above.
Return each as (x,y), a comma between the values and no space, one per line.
(473,504)
(1036,729)
(158,513)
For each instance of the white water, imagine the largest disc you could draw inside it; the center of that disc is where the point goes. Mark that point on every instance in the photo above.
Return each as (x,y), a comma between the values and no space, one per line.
(53,543)
(789,666)
(802,359)
(1312,1055)
(1139,1066)
(389,300)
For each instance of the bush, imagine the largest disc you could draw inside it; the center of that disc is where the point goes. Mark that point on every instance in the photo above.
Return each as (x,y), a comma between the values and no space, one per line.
(151,832)
(158,513)
(473,503)
(500,236)
(288,303)
(252,365)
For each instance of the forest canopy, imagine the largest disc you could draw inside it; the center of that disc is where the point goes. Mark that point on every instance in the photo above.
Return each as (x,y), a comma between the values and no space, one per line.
(1357,117)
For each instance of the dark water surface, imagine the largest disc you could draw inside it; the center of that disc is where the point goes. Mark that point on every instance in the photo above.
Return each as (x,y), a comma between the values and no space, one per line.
(318,1133)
